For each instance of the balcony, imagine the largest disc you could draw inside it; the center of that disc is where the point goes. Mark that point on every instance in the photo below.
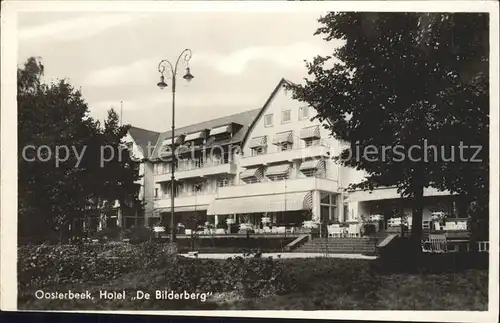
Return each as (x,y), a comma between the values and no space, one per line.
(198,169)
(298,152)
(187,201)
(279,187)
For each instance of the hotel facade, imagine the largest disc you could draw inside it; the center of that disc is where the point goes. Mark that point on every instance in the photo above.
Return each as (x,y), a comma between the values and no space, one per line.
(269,165)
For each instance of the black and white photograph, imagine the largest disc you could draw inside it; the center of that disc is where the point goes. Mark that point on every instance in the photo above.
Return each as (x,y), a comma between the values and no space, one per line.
(306,157)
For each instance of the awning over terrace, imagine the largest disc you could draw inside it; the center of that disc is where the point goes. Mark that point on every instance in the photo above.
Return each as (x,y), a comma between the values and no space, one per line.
(283,137)
(317,164)
(262,203)
(188,208)
(256,173)
(310,133)
(258,142)
(278,169)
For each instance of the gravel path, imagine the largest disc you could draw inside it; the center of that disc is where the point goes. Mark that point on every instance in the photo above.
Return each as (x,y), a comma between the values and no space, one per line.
(287,255)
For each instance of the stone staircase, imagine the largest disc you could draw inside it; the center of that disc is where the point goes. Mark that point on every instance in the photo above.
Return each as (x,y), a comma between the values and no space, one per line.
(364,245)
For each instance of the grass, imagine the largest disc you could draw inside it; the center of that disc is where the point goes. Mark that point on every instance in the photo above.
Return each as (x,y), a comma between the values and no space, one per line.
(437,283)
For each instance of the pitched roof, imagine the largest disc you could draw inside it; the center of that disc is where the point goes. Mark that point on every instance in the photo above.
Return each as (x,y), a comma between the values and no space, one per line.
(245,119)
(260,111)
(144,138)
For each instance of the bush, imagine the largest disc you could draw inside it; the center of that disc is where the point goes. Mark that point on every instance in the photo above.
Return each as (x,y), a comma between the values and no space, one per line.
(44,265)
(139,234)
(369,229)
(248,276)
(108,234)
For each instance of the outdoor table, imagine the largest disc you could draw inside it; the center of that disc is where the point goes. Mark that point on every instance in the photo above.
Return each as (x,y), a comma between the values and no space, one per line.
(456,243)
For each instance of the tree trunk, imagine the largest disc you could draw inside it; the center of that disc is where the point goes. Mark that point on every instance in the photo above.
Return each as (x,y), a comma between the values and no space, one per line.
(417,215)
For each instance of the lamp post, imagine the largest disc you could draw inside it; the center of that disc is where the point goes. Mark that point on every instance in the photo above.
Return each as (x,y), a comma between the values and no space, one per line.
(166,66)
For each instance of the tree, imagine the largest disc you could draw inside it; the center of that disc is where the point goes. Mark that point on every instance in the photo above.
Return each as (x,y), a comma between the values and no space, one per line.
(121,172)
(60,176)
(50,116)
(409,79)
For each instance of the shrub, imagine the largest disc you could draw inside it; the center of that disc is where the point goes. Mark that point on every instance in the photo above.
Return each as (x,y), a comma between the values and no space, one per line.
(43,265)
(139,234)
(369,229)
(248,276)
(108,234)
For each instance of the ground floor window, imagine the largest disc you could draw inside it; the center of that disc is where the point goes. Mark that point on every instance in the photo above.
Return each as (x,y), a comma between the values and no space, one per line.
(328,208)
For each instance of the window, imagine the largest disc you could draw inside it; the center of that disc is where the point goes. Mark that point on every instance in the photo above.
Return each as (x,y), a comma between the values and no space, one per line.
(285,146)
(303,112)
(286,116)
(328,208)
(268,120)
(156,192)
(259,150)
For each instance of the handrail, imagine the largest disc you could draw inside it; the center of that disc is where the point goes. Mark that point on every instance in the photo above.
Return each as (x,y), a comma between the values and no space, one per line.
(195,166)
(294,148)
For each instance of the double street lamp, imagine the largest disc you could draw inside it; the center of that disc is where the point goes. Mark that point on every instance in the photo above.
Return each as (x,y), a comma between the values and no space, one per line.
(165,66)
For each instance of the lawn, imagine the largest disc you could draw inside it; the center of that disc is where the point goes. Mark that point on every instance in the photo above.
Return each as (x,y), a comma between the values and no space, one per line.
(437,283)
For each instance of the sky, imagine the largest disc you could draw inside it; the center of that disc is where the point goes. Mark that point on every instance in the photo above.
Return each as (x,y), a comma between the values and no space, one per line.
(238,58)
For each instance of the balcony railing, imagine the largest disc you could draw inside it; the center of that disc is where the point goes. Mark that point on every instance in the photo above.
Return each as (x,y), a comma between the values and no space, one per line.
(297,145)
(267,180)
(183,167)
(187,194)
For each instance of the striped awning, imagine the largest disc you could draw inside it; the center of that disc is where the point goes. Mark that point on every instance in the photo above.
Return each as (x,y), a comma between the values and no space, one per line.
(283,137)
(221,130)
(252,173)
(177,140)
(187,208)
(317,164)
(258,142)
(278,169)
(195,135)
(310,133)
(262,203)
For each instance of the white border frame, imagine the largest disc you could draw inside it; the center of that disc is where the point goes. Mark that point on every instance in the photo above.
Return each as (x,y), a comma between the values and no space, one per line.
(8,224)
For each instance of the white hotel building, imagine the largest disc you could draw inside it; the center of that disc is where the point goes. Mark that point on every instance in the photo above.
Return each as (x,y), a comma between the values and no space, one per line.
(273,162)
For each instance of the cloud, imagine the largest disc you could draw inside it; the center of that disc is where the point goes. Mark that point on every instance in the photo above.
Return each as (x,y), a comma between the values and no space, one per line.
(76,29)
(290,56)
(138,72)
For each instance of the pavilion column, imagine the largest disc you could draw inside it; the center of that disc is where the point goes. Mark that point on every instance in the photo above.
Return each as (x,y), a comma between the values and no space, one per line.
(315,206)
(340,207)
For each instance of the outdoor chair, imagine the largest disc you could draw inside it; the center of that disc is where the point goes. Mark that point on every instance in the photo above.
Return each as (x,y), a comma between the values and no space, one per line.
(483,246)
(394,222)
(450,225)
(188,231)
(435,243)
(334,231)
(438,226)
(282,230)
(353,230)
(267,230)
(409,221)
(220,231)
